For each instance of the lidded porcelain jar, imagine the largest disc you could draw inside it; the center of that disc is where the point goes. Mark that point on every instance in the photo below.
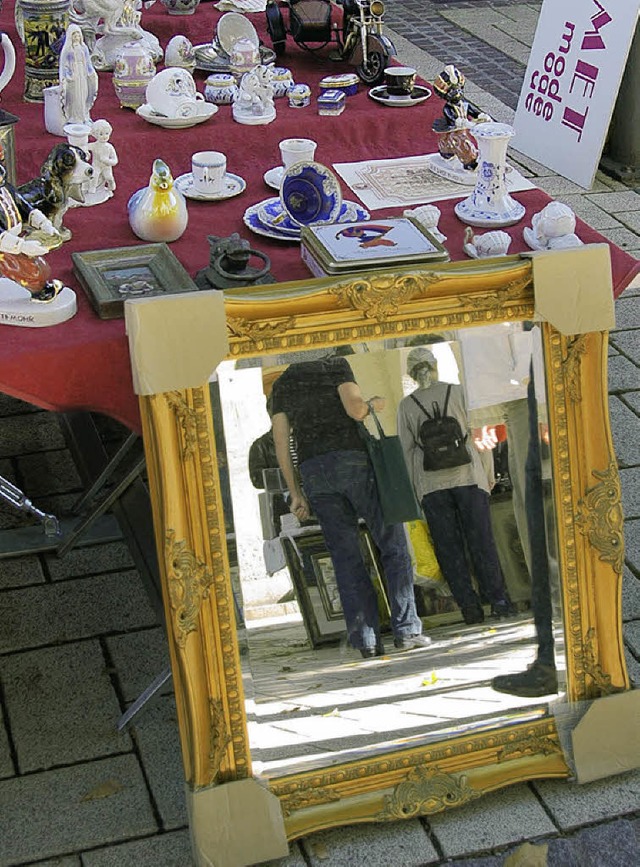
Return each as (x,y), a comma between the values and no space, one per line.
(244,56)
(180,52)
(281,81)
(220,88)
(133,70)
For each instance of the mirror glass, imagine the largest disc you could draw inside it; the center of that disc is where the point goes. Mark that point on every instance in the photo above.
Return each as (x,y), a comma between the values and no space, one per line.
(312,698)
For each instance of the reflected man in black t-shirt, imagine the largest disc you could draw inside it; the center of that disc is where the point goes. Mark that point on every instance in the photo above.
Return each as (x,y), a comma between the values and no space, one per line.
(322,404)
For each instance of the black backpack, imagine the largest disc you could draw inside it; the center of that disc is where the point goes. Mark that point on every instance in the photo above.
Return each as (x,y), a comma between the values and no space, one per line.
(441,438)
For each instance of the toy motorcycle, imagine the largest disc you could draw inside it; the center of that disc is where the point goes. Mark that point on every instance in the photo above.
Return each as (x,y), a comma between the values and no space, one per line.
(360,41)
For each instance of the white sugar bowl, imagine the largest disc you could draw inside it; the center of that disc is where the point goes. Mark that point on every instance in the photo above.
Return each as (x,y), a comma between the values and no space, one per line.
(220,88)
(180,52)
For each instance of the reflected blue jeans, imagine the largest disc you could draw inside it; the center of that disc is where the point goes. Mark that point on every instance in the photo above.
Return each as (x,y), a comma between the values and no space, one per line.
(341,488)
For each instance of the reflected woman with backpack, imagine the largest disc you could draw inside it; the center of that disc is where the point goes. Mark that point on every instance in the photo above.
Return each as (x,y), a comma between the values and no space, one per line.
(452,487)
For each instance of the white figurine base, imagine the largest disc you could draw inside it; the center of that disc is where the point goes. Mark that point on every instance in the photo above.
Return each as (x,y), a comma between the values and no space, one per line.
(451,170)
(252,119)
(18,308)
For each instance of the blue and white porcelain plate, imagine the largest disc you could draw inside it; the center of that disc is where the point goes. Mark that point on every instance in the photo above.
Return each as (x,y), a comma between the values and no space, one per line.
(310,194)
(350,212)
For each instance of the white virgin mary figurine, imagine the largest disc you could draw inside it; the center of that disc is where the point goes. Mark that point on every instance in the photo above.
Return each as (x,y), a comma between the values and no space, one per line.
(78,78)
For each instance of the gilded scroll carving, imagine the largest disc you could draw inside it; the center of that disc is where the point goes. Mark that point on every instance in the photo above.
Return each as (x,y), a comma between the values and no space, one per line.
(530,746)
(220,737)
(592,667)
(576,348)
(257,331)
(494,301)
(188,422)
(189,583)
(600,517)
(426,791)
(382,295)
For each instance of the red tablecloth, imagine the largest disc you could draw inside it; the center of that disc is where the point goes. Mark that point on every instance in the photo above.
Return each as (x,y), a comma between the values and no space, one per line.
(84,363)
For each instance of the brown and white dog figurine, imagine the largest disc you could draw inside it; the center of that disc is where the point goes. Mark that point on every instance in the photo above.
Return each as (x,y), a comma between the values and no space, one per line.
(64,175)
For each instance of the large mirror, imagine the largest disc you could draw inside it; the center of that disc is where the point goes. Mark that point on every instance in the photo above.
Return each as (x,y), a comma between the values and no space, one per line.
(270,681)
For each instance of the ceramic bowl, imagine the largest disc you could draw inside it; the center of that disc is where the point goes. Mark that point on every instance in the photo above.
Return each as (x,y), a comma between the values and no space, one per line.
(310,194)
(347,83)
(220,88)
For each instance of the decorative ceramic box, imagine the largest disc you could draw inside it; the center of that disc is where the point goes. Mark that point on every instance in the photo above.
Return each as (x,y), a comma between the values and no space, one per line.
(332,102)
(220,88)
(281,81)
(299,95)
(347,83)
(133,70)
(344,247)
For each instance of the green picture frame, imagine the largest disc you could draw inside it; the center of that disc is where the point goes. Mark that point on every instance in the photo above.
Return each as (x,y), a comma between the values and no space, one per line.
(110,277)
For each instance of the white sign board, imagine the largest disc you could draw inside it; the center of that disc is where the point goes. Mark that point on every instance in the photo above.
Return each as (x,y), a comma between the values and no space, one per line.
(575,67)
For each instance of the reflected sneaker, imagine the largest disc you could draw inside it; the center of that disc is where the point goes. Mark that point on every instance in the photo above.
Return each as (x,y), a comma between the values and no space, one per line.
(473,614)
(372,652)
(412,642)
(504,608)
(537,680)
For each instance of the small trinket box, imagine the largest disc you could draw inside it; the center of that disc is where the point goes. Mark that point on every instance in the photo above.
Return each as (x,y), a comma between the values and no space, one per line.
(347,83)
(332,102)
(299,95)
(344,247)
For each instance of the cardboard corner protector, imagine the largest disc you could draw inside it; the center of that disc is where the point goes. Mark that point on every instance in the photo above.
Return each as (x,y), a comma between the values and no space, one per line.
(574,288)
(175,341)
(606,741)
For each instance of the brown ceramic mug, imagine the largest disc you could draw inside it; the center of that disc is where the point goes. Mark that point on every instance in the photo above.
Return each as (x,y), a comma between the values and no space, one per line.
(399,80)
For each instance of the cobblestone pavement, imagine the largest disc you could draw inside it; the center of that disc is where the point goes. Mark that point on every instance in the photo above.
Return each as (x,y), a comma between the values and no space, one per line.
(79,641)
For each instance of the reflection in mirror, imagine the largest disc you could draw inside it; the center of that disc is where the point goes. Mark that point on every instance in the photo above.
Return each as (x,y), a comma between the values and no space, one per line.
(323,689)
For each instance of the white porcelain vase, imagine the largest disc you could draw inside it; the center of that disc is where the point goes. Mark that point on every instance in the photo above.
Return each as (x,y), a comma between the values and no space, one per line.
(490,203)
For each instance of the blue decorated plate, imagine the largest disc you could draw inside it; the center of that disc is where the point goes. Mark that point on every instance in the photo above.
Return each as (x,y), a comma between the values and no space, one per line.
(260,219)
(310,194)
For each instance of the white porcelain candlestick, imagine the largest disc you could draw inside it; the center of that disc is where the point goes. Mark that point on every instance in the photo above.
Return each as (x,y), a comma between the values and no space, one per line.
(490,203)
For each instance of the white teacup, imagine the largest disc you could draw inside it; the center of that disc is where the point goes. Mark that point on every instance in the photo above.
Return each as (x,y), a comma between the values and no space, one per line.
(297,150)
(208,170)
(172,92)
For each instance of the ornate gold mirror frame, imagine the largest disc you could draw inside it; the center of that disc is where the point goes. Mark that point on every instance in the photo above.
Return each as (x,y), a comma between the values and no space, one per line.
(185,490)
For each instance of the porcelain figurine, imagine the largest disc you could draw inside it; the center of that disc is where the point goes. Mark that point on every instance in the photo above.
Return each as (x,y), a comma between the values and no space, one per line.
(428,216)
(78,78)
(103,159)
(158,212)
(459,116)
(133,69)
(552,228)
(26,285)
(494,243)
(116,22)
(180,52)
(254,102)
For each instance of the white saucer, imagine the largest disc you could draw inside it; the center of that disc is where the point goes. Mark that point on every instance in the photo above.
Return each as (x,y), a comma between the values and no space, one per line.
(208,109)
(419,94)
(273,178)
(233,186)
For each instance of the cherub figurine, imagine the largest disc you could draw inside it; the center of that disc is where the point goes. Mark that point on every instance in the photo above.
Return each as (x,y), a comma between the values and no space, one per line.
(20,255)
(254,102)
(103,159)
(78,78)
(459,116)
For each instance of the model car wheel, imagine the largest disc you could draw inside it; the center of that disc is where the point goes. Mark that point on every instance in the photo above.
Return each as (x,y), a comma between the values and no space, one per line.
(372,72)
(275,27)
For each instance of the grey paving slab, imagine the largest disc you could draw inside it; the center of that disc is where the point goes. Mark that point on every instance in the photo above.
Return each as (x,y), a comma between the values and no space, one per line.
(615,202)
(293,859)
(138,658)
(52,472)
(623,238)
(633,399)
(630,481)
(632,639)
(630,596)
(20,572)
(627,314)
(397,844)
(87,805)
(498,819)
(163,850)
(633,668)
(631,219)
(90,560)
(614,841)
(30,433)
(632,544)
(623,375)
(70,610)
(628,341)
(572,805)
(7,768)
(555,186)
(71,861)
(12,406)
(590,213)
(61,706)
(155,730)
(624,428)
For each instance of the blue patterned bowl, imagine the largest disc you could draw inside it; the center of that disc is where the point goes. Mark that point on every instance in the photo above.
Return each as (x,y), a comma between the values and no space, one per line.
(310,194)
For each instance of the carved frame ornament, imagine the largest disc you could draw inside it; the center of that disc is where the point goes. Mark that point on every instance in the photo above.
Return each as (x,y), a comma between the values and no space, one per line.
(182,467)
